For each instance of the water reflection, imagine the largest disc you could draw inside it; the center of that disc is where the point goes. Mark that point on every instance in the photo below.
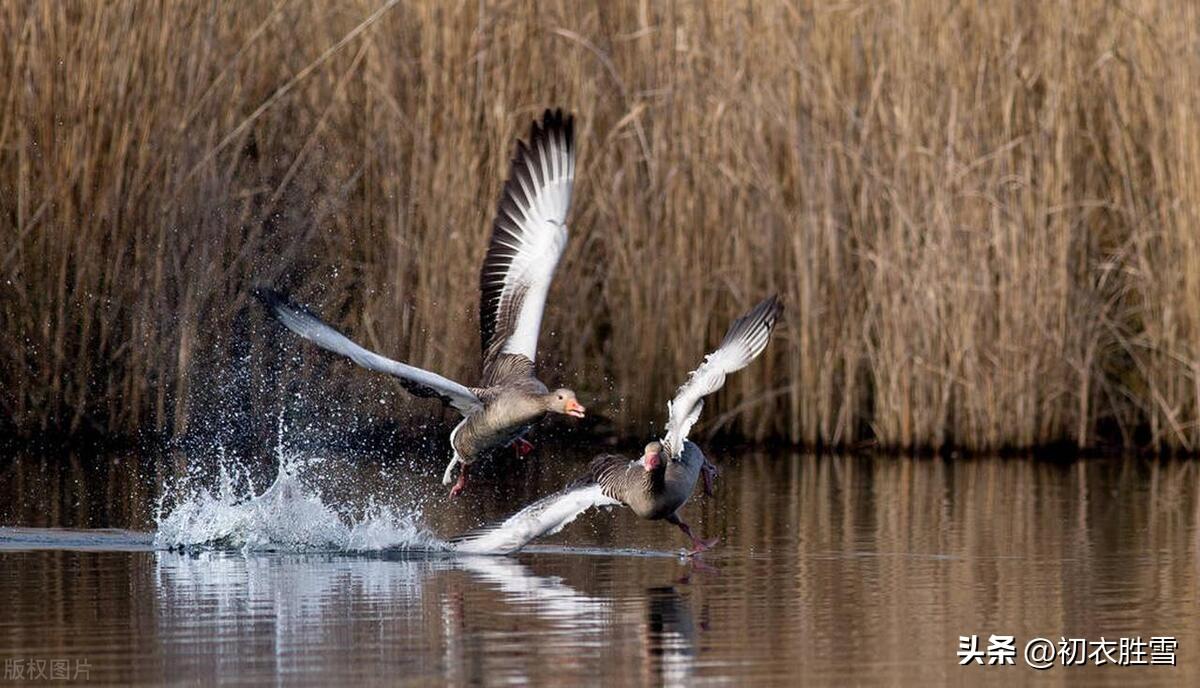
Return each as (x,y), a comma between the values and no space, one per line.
(831,569)
(669,637)
(490,616)
(545,597)
(276,613)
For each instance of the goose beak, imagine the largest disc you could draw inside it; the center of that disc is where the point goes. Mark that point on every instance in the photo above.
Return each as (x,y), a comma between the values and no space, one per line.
(574,408)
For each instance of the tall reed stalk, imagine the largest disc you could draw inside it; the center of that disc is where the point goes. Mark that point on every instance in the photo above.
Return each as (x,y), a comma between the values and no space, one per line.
(981,215)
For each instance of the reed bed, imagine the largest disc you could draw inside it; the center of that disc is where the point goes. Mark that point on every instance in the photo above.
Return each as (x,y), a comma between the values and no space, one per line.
(983,216)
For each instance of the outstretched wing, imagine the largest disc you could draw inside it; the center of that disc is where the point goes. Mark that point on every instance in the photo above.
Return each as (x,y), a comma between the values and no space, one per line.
(419,382)
(528,237)
(746,338)
(544,517)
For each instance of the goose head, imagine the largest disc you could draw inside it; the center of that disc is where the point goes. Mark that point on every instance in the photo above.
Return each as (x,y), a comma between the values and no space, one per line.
(652,456)
(563,401)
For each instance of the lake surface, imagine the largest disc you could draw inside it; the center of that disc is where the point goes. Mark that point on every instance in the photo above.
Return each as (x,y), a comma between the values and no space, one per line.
(830,570)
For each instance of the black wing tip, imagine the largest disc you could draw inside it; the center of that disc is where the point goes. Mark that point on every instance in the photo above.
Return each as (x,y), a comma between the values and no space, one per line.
(766,311)
(556,121)
(556,127)
(772,307)
(764,315)
(274,300)
(278,302)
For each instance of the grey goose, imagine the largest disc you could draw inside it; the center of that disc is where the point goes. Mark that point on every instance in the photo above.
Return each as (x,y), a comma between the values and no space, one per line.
(528,237)
(658,484)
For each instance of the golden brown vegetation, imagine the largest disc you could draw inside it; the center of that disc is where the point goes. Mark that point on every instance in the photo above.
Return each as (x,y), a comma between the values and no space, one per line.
(984,216)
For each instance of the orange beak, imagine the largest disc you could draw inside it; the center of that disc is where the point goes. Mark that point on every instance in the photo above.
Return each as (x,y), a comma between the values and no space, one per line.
(574,408)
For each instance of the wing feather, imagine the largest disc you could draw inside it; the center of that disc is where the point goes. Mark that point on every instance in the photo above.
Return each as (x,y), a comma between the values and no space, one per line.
(528,238)
(546,516)
(417,381)
(745,340)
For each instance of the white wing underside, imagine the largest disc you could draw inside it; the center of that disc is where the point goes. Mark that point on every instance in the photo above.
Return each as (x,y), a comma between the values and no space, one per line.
(544,517)
(528,282)
(311,328)
(684,410)
(745,340)
(528,237)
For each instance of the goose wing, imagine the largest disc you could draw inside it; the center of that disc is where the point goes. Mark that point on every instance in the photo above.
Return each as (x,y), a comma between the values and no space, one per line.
(528,237)
(746,338)
(546,516)
(609,479)
(417,381)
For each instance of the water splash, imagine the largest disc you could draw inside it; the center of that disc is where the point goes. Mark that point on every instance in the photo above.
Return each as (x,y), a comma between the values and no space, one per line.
(290,515)
(222,509)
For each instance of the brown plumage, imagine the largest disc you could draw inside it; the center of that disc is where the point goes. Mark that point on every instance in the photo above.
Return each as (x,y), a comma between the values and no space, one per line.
(657,485)
(653,494)
(528,237)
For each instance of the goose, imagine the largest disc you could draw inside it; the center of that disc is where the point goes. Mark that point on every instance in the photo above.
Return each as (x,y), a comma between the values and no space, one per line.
(658,484)
(528,237)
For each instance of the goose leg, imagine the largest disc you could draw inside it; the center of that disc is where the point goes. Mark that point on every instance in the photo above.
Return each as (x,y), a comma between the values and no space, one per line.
(698,544)
(710,477)
(522,446)
(462,482)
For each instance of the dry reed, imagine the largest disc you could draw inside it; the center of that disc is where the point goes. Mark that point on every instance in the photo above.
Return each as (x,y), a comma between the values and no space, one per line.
(982,216)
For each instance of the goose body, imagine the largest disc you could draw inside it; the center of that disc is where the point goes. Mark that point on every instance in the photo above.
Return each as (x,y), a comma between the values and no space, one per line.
(653,494)
(653,487)
(504,417)
(528,237)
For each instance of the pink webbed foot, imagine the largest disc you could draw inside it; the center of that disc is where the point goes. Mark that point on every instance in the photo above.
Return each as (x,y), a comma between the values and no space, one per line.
(700,545)
(462,482)
(522,446)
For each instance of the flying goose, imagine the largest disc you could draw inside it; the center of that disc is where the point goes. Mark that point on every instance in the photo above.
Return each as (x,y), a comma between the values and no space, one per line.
(653,487)
(528,237)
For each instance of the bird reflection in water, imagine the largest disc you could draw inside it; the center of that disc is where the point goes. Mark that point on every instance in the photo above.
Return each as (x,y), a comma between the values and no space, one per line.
(666,638)
(669,638)
(489,619)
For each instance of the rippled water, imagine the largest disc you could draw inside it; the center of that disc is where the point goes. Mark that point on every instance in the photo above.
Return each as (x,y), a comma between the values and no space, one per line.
(831,569)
